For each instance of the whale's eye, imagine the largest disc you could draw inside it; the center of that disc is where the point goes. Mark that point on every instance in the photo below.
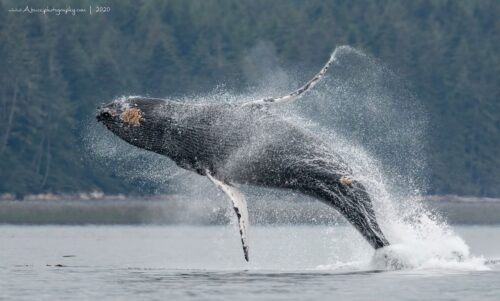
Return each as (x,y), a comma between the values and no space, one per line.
(131,116)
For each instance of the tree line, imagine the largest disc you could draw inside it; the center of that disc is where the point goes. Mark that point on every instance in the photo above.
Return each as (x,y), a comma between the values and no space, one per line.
(55,69)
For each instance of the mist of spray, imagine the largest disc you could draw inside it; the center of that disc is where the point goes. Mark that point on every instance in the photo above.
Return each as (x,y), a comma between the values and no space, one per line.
(369,116)
(377,125)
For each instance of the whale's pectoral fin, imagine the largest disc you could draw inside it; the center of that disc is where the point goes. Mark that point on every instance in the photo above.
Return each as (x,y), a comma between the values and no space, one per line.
(297,93)
(240,208)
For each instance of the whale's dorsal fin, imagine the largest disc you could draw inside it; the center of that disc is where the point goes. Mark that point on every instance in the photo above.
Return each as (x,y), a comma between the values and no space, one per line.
(240,208)
(297,93)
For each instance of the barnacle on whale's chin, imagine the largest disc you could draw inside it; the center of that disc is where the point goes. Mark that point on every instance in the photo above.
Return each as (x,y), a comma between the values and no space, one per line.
(132,116)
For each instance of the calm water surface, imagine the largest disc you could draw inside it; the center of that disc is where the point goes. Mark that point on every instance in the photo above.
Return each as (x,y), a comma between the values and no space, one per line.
(206,263)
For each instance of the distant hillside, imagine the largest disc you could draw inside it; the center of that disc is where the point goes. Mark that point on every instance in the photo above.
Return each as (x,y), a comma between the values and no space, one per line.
(56,69)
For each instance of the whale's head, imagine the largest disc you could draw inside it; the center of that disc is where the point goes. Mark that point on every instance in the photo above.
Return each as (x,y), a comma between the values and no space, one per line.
(137,120)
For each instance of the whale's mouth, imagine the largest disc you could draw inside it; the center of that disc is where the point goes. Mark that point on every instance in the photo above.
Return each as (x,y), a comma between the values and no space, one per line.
(116,112)
(102,116)
(106,112)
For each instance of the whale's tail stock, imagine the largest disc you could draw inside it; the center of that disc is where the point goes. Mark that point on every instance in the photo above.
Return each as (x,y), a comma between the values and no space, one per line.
(350,198)
(359,211)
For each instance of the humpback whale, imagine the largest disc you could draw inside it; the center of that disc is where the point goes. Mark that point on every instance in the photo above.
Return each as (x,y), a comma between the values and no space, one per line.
(233,144)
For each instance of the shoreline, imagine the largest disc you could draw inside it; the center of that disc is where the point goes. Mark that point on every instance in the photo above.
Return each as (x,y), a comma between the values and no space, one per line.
(169,209)
(99,196)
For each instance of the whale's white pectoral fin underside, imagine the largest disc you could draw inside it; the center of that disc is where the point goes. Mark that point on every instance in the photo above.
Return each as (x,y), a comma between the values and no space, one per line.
(297,93)
(240,208)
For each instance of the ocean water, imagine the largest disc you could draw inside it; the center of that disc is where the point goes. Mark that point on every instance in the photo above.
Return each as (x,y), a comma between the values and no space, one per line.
(206,263)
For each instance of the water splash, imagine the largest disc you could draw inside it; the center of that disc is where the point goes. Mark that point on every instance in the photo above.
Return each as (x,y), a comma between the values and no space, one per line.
(367,115)
(377,125)
(370,117)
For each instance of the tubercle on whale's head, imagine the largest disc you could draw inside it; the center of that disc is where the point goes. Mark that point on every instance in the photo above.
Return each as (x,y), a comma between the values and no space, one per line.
(135,120)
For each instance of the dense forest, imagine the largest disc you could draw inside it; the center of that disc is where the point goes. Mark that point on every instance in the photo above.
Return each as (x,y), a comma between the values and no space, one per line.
(55,69)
